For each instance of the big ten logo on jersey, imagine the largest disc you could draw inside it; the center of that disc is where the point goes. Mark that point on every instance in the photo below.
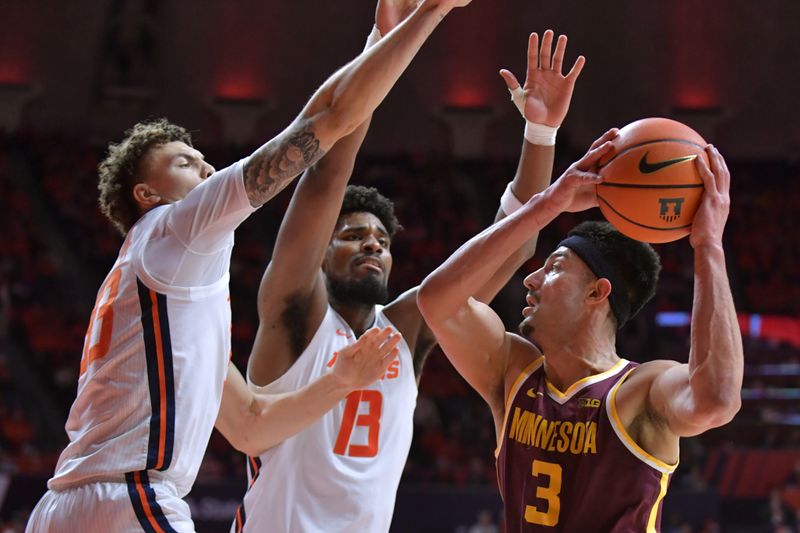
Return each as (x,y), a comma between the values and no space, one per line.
(592,403)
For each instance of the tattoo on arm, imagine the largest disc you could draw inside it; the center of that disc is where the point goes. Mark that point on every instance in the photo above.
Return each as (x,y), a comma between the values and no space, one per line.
(278,162)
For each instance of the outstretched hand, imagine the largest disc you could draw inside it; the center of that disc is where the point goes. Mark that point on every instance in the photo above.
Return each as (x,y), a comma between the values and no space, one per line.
(360,364)
(709,220)
(390,13)
(547,92)
(575,190)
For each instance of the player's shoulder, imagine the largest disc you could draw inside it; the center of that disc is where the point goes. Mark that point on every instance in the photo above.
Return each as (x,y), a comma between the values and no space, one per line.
(404,313)
(647,372)
(634,392)
(521,356)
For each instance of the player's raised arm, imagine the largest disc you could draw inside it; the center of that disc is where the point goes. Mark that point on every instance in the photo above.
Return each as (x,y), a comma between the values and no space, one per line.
(447,296)
(543,101)
(341,104)
(293,280)
(706,392)
(254,422)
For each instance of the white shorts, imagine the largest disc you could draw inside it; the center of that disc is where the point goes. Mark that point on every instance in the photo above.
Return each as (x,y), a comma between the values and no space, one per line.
(113,507)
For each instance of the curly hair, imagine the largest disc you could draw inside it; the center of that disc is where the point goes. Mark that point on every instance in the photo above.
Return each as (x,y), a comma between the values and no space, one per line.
(358,199)
(637,263)
(117,172)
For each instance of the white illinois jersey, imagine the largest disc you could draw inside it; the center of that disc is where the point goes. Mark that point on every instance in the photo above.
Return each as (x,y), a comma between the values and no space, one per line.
(157,348)
(341,473)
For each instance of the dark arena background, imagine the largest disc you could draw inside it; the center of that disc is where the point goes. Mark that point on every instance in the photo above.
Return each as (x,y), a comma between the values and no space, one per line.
(74,75)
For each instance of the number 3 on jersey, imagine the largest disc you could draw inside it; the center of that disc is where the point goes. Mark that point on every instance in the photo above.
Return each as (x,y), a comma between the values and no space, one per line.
(548,493)
(370,420)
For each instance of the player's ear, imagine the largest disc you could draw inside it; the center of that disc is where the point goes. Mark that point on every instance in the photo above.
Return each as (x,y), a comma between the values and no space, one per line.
(145,196)
(599,290)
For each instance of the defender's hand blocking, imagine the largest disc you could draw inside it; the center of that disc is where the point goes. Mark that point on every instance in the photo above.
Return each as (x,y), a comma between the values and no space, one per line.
(390,13)
(367,360)
(575,190)
(547,93)
(709,220)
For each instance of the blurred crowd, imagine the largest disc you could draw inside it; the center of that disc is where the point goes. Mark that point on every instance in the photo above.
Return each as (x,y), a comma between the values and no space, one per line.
(55,248)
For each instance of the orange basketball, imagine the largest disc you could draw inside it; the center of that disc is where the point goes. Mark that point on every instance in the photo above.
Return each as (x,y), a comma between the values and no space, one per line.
(651,186)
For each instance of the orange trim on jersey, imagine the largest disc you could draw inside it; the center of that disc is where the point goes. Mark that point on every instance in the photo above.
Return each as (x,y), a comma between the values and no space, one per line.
(239,521)
(525,374)
(255,470)
(585,381)
(254,464)
(148,512)
(162,382)
(621,432)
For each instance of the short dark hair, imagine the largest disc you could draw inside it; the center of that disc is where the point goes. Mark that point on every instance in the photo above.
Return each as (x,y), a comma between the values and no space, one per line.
(637,263)
(358,199)
(117,172)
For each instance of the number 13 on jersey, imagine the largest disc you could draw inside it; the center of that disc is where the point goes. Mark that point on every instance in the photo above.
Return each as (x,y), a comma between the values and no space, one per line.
(371,419)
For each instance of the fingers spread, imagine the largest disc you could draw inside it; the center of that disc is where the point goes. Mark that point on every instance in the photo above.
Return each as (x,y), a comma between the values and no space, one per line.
(576,69)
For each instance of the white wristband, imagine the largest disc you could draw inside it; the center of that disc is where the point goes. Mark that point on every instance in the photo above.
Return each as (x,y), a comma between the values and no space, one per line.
(373,38)
(509,201)
(540,134)
(534,133)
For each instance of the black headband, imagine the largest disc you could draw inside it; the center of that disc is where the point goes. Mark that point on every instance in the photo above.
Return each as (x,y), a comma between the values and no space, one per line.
(601,268)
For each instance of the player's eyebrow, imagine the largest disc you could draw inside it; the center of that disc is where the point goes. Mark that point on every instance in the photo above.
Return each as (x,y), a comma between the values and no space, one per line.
(556,255)
(191,156)
(364,227)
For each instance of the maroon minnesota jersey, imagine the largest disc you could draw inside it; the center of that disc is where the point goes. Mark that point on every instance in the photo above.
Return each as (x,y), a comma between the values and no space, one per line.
(566,463)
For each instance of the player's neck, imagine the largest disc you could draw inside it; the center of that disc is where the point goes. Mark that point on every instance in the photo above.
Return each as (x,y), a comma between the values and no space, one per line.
(360,317)
(570,359)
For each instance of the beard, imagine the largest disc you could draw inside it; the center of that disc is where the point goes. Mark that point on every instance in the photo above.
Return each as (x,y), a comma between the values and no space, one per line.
(525,329)
(369,290)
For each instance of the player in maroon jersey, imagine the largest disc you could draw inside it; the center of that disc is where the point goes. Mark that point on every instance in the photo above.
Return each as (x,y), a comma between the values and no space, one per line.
(587,441)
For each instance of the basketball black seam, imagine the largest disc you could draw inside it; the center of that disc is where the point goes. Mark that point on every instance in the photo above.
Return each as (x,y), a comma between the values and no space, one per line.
(641,186)
(636,223)
(629,148)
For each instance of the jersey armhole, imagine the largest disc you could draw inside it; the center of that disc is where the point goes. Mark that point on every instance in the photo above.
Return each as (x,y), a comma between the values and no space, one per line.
(512,393)
(625,438)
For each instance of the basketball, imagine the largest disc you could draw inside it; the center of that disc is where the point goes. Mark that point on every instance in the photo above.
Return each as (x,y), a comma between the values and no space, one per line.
(651,187)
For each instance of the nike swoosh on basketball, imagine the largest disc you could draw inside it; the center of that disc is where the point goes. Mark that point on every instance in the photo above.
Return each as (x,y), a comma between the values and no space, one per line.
(646,167)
